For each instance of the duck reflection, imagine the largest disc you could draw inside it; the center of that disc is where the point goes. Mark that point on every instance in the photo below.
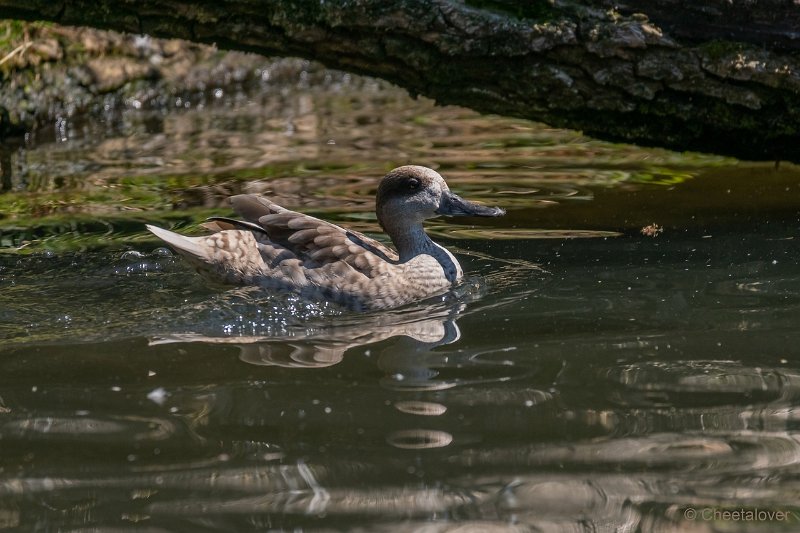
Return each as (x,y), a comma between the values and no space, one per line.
(421,329)
(408,363)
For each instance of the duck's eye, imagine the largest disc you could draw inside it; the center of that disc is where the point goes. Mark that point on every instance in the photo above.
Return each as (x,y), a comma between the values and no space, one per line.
(413,184)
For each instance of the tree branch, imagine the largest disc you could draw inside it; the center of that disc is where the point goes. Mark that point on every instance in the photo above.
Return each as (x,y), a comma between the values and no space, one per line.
(727,81)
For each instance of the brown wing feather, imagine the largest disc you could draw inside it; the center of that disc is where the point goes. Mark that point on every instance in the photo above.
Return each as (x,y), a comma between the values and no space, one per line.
(313,241)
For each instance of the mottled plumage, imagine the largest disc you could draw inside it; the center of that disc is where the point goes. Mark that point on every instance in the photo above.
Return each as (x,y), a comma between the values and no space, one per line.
(282,249)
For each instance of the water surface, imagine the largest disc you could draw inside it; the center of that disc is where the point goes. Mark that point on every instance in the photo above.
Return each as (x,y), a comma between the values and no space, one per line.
(622,357)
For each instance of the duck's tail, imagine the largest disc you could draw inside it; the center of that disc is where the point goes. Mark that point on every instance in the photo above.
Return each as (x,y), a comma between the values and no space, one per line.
(230,256)
(191,248)
(227,256)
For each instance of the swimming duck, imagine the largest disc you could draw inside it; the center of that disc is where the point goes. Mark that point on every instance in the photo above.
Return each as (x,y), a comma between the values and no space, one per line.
(282,249)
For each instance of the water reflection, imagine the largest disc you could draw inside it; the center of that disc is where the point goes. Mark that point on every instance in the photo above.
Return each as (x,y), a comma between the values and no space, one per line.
(300,129)
(424,326)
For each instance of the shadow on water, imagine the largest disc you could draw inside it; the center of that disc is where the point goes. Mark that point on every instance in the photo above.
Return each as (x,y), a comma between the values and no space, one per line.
(622,355)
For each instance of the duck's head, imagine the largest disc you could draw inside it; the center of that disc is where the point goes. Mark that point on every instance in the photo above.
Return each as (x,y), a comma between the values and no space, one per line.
(411,194)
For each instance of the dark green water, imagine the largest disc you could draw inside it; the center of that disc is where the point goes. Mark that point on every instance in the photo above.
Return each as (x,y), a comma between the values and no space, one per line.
(589,376)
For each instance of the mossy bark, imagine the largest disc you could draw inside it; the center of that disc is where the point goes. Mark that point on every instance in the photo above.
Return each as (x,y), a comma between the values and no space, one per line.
(645,74)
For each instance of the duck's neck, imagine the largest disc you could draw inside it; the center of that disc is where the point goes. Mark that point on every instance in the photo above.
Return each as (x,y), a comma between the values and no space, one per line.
(413,241)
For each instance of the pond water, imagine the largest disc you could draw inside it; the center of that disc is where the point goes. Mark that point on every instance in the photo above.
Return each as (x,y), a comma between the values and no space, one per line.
(622,357)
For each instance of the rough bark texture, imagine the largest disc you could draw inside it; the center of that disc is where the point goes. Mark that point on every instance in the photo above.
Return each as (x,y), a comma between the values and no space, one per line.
(772,23)
(720,76)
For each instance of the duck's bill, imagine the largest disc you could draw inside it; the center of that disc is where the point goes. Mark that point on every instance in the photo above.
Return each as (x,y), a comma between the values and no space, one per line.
(453,205)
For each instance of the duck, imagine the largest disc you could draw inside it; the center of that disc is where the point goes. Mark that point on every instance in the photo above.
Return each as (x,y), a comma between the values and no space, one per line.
(280,249)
